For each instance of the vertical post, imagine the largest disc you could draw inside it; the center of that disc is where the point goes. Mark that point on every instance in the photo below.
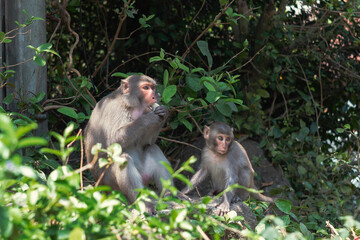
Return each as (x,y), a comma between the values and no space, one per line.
(2,52)
(30,79)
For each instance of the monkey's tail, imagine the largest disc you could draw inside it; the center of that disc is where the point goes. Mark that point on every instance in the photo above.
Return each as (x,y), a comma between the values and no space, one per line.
(261,197)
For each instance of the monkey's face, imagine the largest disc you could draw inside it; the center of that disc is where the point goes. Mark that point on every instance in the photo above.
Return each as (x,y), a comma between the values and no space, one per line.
(148,92)
(222,143)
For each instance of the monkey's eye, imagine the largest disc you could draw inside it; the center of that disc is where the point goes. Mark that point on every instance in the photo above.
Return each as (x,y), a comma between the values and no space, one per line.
(146,87)
(220,138)
(228,139)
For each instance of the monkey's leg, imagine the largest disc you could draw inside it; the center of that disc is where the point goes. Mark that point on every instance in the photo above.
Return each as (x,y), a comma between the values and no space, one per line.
(153,168)
(224,206)
(245,179)
(126,180)
(198,177)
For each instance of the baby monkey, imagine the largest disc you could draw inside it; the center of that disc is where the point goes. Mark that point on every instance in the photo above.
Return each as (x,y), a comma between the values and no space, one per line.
(227,163)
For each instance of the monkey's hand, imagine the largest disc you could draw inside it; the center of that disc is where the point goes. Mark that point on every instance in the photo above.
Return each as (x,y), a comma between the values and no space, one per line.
(223,208)
(182,196)
(162,112)
(185,190)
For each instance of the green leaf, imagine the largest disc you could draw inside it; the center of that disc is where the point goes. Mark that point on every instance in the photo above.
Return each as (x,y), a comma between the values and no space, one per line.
(45,46)
(306,232)
(8,99)
(283,205)
(2,36)
(303,133)
(40,96)
(77,234)
(209,86)
(103,162)
(234,100)
(155,59)
(68,130)
(224,108)
(198,70)
(204,49)
(68,112)
(6,225)
(36,18)
(340,130)
(95,148)
(52,51)
(187,124)
(181,66)
(51,151)
(28,172)
(34,48)
(193,83)
(119,74)
(223,2)
(31,141)
(168,93)
(277,132)
(7,126)
(178,215)
(162,53)
(263,93)
(39,60)
(167,166)
(212,97)
(183,179)
(166,77)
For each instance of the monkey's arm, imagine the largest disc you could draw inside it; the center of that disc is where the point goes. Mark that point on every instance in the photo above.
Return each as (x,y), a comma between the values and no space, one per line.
(196,179)
(139,131)
(224,206)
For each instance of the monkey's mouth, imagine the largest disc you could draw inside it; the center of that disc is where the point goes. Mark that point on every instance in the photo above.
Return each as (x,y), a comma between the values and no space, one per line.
(222,152)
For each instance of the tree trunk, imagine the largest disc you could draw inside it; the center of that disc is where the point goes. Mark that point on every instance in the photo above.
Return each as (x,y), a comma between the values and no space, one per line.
(30,79)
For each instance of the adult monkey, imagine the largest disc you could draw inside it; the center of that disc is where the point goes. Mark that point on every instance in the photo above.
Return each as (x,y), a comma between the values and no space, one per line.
(125,116)
(227,162)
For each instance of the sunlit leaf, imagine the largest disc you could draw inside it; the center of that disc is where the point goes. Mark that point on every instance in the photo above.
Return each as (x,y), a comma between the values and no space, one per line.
(204,49)
(166,78)
(32,141)
(6,225)
(8,99)
(68,112)
(39,60)
(284,205)
(168,93)
(119,74)
(193,83)
(77,234)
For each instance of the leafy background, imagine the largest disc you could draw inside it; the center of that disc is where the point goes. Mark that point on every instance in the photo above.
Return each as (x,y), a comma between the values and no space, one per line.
(281,72)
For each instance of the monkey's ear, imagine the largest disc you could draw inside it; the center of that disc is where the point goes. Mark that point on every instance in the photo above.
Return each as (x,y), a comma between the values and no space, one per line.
(206,132)
(125,88)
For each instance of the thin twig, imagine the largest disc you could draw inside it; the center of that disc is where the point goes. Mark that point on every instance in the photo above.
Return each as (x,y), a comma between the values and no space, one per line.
(202,233)
(196,124)
(122,17)
(71,143)
(81,162)
(206,29)
(248,60)
(128,37)
(312,97)
(175,141)
(17,64)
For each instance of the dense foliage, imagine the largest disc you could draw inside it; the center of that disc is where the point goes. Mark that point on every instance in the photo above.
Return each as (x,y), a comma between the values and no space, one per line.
(282,72)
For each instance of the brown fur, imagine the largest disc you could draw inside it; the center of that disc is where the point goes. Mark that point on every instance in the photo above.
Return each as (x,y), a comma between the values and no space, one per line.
(112,122)
(225,169)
